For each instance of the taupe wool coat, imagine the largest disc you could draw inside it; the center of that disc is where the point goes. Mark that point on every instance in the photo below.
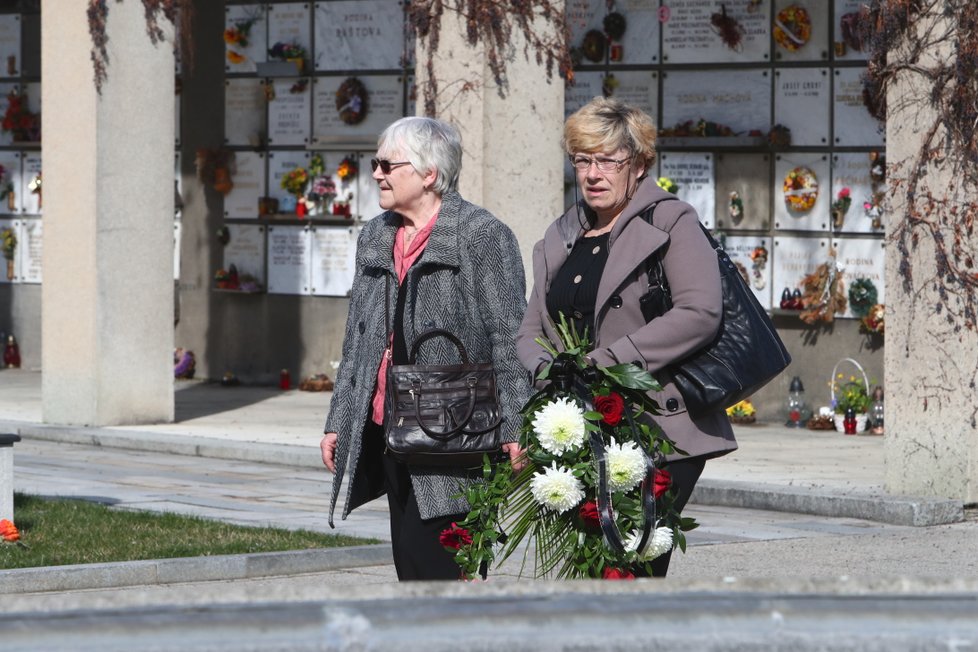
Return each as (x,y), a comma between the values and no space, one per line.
(621,333)
(469,281)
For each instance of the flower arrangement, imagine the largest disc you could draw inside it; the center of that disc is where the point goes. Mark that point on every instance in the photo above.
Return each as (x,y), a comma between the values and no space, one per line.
(8,243)
(849,393)
(840,206)
(6,186)
(19,121)
(585,414)
(294,182)
(792,28)
(352,101)
(667,184)
(239,34)
(347,169)
(236,57)
(742,412)
(10,534)
(800,189)
(701,128)
(874,323)
(862,296)
(287,51)
(213,168)
(779,136)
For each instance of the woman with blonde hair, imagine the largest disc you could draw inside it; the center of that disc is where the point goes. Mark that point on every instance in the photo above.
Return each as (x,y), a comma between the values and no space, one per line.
(592,266)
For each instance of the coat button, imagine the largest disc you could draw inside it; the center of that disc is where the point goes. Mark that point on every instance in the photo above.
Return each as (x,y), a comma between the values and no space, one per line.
(672,405)
(615,301)
(361,327)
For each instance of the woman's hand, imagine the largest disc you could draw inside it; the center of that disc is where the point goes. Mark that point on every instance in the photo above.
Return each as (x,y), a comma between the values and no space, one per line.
(328,447)
(517,455)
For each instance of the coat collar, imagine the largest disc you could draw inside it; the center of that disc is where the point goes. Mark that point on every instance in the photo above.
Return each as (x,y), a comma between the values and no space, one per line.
(443,243)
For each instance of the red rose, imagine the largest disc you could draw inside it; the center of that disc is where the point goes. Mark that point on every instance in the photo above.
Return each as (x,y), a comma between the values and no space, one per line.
(611,406)
(617,574)
(661,483)
(455,537)
(589,515)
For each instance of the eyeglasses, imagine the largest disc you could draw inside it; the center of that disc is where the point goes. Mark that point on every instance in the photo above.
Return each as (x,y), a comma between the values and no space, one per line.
(583,163)
(385,165)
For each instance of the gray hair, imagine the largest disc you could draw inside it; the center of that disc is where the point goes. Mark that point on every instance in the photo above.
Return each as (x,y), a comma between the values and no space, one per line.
(429,144)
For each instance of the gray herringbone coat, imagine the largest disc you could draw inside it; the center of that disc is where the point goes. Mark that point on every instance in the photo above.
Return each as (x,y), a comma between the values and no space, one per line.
(469,281)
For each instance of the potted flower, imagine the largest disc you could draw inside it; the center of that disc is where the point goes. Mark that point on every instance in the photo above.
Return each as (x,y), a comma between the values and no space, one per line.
(19,121)
(742,412)
(295,183)
(850,392)
(840,206)
(291,52)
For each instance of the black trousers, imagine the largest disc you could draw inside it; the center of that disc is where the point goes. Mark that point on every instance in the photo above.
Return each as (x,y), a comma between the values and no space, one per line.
(417,553)
(685,473)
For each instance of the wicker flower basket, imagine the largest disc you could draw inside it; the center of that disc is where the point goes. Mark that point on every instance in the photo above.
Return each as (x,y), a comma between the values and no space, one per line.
(861,419)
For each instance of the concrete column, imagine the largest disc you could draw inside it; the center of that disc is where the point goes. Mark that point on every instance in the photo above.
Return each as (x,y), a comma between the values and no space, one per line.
(107,298)
(7,442)
(513,162)
(931,441)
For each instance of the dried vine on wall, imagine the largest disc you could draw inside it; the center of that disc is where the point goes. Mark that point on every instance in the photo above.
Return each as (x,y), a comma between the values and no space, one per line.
(904,35)
(171,10)
(493,24)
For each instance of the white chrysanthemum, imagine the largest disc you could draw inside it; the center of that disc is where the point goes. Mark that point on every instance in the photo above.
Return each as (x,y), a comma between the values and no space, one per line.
(557,489)
(626,466)
(559,426)
(660,542)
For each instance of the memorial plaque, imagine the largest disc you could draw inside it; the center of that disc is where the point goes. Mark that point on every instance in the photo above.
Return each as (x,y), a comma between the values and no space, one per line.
(809,211)
(794,259)
(30,247)
(280,164)
(752,256)
(244,112)
(249,184)
(288,259)
(385,104)
(854,126)
(801,103)
(705,32)
(289,113)
(10,182)
(33,92)
(852,171)
(861,258)
(360,35)
(333,260)
(247,27)
(739,99)
(587,86)
(793,41)
(6,137)
(31,198)
(693,173)
(10,45)
(15,226)
(368,193)
(846,35)
(291,23)
(639,43)
(246,251)
(749,176)
(177,185)
(640,88)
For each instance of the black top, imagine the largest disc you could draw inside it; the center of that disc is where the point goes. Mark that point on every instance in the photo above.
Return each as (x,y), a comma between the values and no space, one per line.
(574,290)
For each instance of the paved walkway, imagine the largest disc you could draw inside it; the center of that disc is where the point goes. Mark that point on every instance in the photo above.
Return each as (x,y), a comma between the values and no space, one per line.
(250,455)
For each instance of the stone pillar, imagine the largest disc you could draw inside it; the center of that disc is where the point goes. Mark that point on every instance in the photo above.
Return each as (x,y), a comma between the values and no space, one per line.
(931,441)
(7,442)
(512,162)
(107,298)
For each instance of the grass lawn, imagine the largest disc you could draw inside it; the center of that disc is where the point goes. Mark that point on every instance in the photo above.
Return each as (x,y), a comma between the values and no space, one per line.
(66,531)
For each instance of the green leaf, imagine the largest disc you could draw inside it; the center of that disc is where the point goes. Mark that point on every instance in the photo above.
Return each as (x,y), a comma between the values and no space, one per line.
(632,377)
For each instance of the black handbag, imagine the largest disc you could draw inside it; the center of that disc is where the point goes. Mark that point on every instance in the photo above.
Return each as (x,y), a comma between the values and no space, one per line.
(442,415)
(746,353)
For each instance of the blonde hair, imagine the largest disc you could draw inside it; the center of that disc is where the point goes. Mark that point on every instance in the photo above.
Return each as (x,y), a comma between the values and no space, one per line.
(606,124)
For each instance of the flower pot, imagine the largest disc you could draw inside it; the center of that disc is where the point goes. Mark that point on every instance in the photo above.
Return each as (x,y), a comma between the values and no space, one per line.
(300,208)
(861,420)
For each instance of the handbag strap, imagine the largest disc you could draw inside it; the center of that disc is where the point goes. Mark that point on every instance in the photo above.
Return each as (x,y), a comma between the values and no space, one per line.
(436,332)
(653,264)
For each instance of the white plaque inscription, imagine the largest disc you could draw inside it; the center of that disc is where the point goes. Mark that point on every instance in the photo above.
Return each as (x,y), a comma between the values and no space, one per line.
(244,112)
(739,99)
(693,173)
(288,260)
(801,103)
(359,35)
(333,260)
(249,185)
(854,126)
(699,32)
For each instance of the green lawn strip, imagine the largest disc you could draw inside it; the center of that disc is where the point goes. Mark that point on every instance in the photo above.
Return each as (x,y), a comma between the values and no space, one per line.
(69,531)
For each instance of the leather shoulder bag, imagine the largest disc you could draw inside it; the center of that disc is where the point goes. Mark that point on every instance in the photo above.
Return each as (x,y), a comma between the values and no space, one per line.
(442,415)
(746,353)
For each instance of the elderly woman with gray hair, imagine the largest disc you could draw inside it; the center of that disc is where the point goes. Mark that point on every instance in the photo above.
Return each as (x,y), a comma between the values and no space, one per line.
(436,261)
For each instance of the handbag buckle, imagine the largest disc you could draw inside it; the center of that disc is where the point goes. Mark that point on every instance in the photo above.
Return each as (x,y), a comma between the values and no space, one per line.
(471,381)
